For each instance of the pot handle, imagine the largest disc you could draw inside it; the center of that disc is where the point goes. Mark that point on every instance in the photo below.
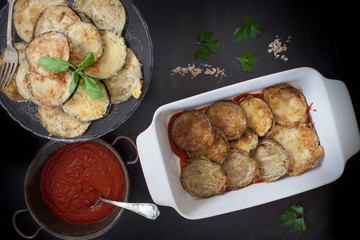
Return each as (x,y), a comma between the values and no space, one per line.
(134,145)
(18,230)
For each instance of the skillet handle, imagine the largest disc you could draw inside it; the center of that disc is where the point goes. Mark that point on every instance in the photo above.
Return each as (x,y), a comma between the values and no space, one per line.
(344,116)
(134,145)
(18,230)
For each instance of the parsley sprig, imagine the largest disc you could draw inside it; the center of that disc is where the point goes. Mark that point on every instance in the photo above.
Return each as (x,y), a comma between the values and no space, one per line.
(88,84)
(206,45)
(247,60)
(251,29)
(294,217)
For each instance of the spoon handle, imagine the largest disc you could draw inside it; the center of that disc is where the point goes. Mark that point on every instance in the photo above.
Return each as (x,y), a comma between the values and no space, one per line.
(147,210)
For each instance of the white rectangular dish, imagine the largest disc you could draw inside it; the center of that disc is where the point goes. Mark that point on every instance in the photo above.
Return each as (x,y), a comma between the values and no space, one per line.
(334,120)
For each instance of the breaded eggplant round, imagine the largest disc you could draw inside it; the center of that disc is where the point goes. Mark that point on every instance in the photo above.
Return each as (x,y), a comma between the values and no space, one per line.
(258,114)
(26,13)
(83,108)
(247,142)
(302,144)
(287,103)
(272,160)
(192,131)
(106,14)
(51,91)
(113,58)
(127,82)
(228,117)
(50,44)
(217,151)
(240,169)
(84,37)
(58,123)
(55,18)
(203,178)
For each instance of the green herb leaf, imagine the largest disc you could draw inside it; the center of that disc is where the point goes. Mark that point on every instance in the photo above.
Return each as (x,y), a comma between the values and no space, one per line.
(74,81)
(87,61)
(55,64)
(90,87)
(294,217)
(246,61)
(206,45)
(251,29)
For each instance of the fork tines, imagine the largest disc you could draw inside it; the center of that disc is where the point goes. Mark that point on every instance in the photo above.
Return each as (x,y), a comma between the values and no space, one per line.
(7,72)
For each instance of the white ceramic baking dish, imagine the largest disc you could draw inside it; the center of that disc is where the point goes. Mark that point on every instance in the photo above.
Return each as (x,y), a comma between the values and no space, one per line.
(334,120)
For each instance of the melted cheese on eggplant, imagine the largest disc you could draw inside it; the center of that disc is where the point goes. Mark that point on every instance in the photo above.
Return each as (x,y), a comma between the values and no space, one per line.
(83,108)
(106,14)
(55,18)
(127,82)
(84,37)
(26,12)
(51,44)
(113,58)
(58,123)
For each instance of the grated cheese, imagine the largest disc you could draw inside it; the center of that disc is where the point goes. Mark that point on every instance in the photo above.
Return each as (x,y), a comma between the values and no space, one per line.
(277,47)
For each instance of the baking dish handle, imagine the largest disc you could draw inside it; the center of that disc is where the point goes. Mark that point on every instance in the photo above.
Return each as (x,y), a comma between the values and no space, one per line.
(153,168)
(344,116)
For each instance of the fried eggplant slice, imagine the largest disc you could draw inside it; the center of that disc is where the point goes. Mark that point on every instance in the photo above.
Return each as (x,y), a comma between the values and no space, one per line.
(272,160)
(84,37)
(258,114)
(192,131)
(247,142)
(106,14)
(127,82)
(228,117)
(26,12)
(51,44)
(22,82)
(302,144)
(83,108)
(51,91)
(287,103)
(11,90)
(203,178)
(58,123)
(113,58)
(217,151)
(55,18)
(240,169)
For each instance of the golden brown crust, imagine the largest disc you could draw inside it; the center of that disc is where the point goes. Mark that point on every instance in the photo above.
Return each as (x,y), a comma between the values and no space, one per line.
(240,169)
(258,114)
(51,44)
(287,103)
(217,152)
(272,160)
(203,178)
(302,144)
(247,142)
(192,131)
(228,117)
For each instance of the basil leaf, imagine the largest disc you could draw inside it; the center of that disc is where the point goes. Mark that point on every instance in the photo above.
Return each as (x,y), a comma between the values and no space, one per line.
(90,87)
(74,81)
(54,64)
(87,61)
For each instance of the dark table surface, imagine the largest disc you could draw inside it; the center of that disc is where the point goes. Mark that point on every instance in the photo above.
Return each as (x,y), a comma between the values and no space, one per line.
(318,40)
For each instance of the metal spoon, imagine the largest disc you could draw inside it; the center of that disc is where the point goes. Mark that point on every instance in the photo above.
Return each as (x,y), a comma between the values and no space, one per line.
(147,210)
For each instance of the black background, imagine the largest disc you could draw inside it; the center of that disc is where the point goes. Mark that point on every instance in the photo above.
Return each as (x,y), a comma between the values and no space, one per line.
(322,37)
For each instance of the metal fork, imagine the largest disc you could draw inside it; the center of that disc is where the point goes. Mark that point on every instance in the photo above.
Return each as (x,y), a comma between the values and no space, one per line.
(10,60)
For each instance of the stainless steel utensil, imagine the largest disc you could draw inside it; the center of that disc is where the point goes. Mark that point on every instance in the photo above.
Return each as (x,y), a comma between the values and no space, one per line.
(147,210)
(10,59)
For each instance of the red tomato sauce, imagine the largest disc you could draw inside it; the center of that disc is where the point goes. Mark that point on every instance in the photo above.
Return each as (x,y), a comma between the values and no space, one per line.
(73,177)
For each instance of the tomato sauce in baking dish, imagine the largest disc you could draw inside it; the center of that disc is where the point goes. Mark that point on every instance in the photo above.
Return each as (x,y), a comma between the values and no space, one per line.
(74,176)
